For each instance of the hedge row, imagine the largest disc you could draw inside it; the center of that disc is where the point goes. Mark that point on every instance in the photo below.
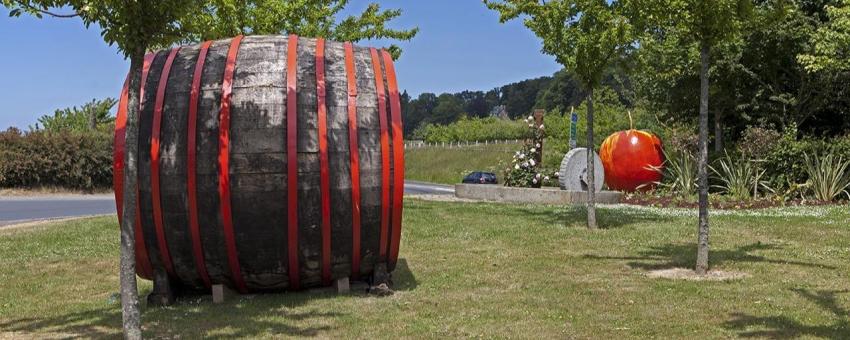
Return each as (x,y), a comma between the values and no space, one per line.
(74,160)
(783,163)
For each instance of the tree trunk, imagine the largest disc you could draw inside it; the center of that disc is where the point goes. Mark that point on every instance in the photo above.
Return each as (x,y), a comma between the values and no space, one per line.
(591,187)
(92,120)
(129,291)
(718,132)
(702,165)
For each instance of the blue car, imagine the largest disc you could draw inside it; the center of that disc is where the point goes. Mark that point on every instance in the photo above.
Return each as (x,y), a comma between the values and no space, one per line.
(479,177)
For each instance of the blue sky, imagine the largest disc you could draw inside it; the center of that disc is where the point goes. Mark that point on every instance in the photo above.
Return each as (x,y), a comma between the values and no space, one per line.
(56,63)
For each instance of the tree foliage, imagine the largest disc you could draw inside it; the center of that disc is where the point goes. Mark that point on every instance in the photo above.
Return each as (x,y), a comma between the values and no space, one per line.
(585,36)
(757,77)
(831,43)
(159,24)
(79,119)
(312,18)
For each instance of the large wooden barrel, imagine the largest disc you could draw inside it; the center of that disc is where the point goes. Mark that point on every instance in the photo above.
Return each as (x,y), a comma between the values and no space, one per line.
(266,163)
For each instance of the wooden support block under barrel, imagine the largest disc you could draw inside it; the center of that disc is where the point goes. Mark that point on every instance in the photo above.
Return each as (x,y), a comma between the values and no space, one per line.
(342,285)
(220,293)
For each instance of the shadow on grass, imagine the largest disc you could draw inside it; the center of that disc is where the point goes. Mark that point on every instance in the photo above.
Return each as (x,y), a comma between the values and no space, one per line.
(783,327)
(241,316)
(96,323)
(403,278)
(576,215)
(684,256)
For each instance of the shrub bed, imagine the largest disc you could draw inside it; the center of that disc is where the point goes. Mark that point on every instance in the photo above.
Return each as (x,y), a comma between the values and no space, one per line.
(73,160)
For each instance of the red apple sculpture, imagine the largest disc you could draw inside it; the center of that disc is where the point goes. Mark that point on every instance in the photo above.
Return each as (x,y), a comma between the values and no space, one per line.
(629,158)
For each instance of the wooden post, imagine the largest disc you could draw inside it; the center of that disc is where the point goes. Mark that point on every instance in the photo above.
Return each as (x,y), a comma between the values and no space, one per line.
(538,121)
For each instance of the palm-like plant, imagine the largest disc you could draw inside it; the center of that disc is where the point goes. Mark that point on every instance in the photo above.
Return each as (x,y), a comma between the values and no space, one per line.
(680,173)
(739,178)
(829,176)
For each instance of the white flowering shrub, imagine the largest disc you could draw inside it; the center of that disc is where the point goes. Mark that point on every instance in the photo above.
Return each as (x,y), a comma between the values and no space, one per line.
(524,169)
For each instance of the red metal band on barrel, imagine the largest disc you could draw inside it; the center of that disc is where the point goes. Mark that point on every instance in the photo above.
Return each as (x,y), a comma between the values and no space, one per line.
(156,197)
(224,166)
(355,160)
(385,152)
(118,149)
(323,161)
(191,167)
(143,265)
(398,158)
(292,158)
(140,235)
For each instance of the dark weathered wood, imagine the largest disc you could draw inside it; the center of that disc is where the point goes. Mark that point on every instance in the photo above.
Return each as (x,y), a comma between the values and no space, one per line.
(258,134)
(173,164)
(145,128)
(258,163)
(209,217)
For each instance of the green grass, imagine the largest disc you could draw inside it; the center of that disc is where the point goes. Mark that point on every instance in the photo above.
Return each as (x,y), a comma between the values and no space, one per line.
(437,164)
(483,270)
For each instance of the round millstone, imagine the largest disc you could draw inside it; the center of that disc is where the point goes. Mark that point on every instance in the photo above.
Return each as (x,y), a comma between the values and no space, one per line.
(573,174)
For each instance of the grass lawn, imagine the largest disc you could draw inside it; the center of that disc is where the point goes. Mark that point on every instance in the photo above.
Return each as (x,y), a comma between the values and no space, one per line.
(483,270)
(438,164)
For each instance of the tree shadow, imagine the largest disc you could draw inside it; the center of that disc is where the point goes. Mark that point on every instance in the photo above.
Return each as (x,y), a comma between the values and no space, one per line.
(684,255)
(783,327)
(245,316)
(606,218)
(96,323)
(239,316)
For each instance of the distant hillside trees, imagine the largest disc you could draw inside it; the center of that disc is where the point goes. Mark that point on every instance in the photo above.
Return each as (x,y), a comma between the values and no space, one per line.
(558,92)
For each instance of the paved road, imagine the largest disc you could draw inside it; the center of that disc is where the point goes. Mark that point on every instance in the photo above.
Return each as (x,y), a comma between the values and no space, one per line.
(20,209)
(423,188)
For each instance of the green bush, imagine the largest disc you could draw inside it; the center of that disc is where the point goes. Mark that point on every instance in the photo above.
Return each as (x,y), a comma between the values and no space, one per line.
(471,130)
(74,160)
(785,163)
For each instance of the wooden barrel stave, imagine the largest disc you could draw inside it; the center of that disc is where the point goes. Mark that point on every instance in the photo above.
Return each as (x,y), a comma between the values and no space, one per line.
(207,124)
(145,127)
(173,164)
(258,131)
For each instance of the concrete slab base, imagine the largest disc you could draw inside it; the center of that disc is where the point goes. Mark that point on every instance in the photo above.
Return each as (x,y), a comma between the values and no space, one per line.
(500,193)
